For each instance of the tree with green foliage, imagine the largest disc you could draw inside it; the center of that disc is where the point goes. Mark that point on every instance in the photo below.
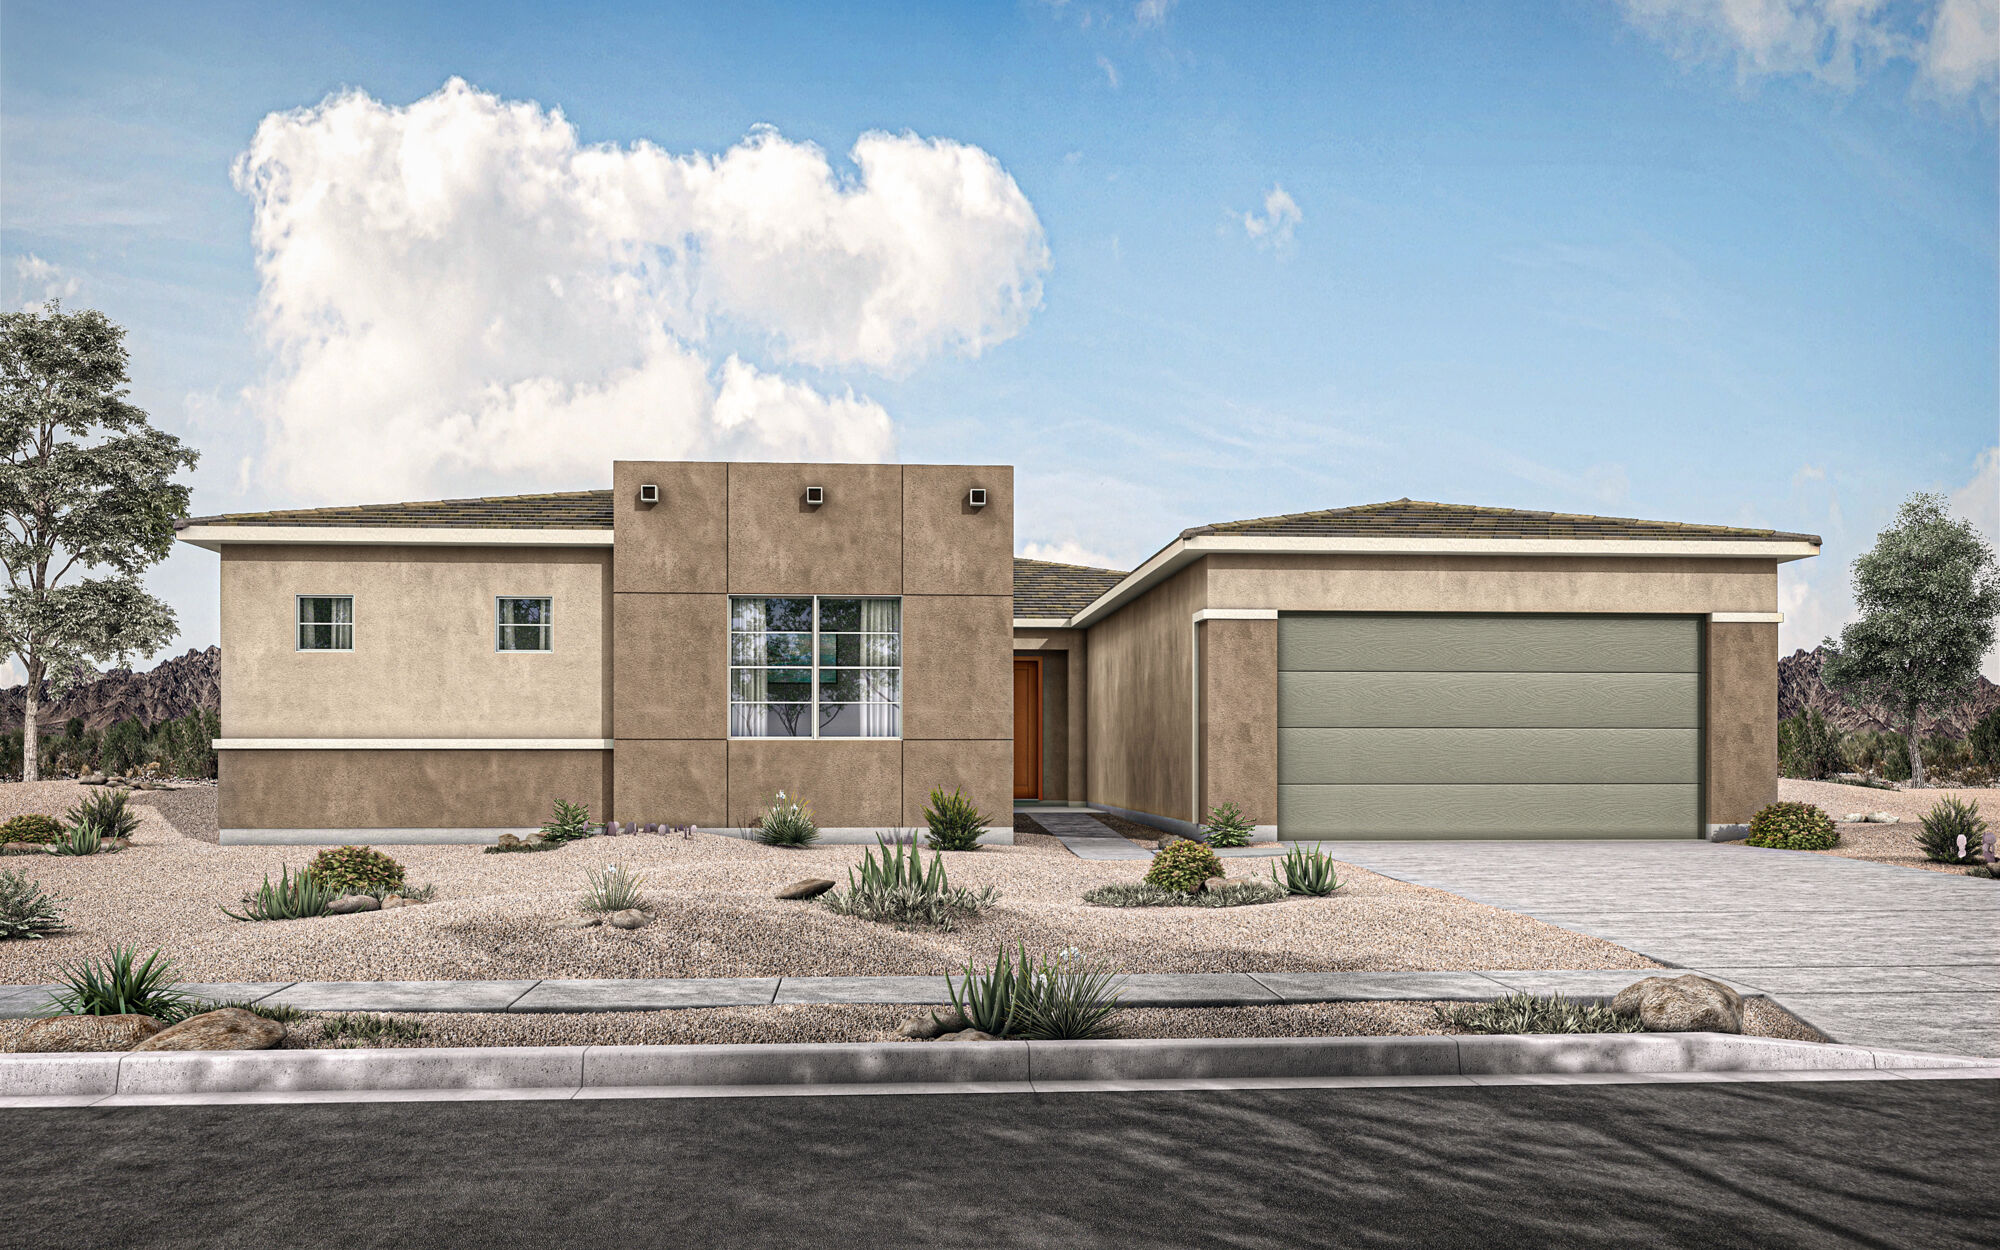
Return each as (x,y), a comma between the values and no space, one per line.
(86,486)
(1929,591)
(1985,740)
(1808,747)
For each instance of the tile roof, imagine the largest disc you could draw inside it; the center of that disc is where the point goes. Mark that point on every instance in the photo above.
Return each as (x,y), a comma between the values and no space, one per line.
(1416,518)
(1044,590)
(567,510)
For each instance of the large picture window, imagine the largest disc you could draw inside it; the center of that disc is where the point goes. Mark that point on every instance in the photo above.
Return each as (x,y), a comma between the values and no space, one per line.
(806,667)
(326,622)
(525,624)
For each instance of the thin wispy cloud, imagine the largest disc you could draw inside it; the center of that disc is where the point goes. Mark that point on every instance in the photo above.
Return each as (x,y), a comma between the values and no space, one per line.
(1110,71)
(1149,13)
(1274,226)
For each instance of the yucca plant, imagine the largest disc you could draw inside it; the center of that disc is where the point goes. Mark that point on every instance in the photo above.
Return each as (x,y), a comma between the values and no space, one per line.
(289,898)
(613,887)
(1951,832)
(1307,872)
(1066,998)
(26,910)
(785,822)
(81,839)
(571,821)
(121,985)
(107,812)
(1227,826)
(954,820)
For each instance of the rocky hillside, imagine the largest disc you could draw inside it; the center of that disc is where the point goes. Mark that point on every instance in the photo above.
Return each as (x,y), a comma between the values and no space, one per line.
(1800,687)
(173,689)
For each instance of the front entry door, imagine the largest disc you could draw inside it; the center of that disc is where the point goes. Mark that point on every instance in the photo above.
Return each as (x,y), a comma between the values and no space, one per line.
(1027,729)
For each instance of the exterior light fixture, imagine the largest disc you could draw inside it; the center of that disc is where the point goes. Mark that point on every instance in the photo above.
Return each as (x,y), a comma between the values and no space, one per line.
(649,493)
(976,497)
(815,496)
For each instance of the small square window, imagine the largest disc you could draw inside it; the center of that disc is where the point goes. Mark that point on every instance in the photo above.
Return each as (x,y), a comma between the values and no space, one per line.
(525,624)
(326,622)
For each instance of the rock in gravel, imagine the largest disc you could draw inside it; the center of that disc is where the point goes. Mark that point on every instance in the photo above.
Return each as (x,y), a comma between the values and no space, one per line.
(630,918)
(353,903)
(933,1024)
(508,839)
(61,1034)
(1883,818)
(1854,818)
(227,1028)
(1687,1004)
(583,922)
(811,887)
(23,848)
(967,1035)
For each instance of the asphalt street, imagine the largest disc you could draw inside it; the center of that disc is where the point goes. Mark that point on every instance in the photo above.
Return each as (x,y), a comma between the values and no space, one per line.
(1879,1163)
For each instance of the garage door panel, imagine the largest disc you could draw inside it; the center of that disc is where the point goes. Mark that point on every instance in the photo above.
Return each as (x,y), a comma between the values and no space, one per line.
(1487,811)
(1528,644)
(1488,756)
(1430,700)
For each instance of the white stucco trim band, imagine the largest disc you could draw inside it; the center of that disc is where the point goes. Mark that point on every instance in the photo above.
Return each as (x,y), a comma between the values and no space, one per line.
(1041,622)
(1747,618)
(215,537)
(413,744)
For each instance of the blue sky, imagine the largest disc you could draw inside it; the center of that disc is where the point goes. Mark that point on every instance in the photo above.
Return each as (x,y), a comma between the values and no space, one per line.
(1677,259)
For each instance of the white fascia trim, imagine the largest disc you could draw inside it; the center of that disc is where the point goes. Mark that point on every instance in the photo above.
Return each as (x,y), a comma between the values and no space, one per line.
(413,744)
(1183,551)
(1747,618)
(1235,614)
(215,537)
(1041,622)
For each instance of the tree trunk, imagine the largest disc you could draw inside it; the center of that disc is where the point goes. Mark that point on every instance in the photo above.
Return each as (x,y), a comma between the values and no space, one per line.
(1916,753)
(31,738)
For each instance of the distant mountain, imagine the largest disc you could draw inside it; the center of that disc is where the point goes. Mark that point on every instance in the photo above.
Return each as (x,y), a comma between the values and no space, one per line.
(168,692)
(1800,687)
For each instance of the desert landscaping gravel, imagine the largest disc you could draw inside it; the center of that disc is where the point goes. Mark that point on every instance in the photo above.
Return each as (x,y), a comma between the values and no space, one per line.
(512,916)
(1883,844)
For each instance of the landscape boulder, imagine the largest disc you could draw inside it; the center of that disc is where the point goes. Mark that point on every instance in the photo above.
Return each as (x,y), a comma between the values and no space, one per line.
(348,905)
(967,1035)
(226,1028)
(811,887)
(1854,818)
(1883,818)
(23,848)
(630,918)
(935,1023)
(63,1034)
(1685,1004)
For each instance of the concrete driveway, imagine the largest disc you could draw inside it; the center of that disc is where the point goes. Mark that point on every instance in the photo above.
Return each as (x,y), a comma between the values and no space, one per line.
(1868,953)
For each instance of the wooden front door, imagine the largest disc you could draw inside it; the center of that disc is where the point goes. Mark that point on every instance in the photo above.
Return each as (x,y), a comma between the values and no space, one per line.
(1027,728)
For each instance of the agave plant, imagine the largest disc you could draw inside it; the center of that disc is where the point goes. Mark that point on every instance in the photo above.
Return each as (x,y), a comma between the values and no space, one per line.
(121,985)
(26,910)
(289,898)
(1307,872)
(82,838)
(1065,998)
(898,887)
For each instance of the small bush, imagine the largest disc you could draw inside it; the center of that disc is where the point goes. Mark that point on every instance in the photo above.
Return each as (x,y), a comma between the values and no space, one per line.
(1308,872)
(107,812)
(1951,832)
(1984,740)
(291,898)
(899,888)
(120,985)
(1808,747)
(1183,866)
(1139,894)
(355,870)
(32,827)
(1532,1013)
(571,822)
(613,887)
(955,823)
(26,910)
(1067,998)
(1227,826)
(785,822)
(352,1029)
(1793,827)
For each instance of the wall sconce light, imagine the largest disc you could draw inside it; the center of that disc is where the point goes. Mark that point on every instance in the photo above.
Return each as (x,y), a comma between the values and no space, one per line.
(649,493)
(815,496)
(976,497)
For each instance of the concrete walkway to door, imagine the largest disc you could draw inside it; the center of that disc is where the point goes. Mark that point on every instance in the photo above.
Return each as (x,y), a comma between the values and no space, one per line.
(1868,953)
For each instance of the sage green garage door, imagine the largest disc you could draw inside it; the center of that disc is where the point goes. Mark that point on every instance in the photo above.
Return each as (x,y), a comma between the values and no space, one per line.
(1439,726)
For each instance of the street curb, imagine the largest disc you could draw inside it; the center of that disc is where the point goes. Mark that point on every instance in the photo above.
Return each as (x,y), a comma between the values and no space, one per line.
(888,1067)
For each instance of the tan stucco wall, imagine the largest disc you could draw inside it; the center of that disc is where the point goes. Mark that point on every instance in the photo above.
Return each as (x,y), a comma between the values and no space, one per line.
(1315,583)
(404,789)
(724,529)
(1740,726)
(1065,709)
(1141,700)
(424,663)
(1055,724)
(1239,717)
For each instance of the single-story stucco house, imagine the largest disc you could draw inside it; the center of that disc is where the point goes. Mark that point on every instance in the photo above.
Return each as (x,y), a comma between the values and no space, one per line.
(702,635)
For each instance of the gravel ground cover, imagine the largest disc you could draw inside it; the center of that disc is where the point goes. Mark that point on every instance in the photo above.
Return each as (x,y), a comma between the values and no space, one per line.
(736,1025)
(1884,844)
(509,916)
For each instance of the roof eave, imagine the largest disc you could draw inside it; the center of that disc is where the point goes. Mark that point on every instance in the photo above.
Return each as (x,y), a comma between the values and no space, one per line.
(214,537)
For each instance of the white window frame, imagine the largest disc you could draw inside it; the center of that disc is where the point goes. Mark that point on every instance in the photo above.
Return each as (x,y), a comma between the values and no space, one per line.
(499,625)
(299,623)
(730,667)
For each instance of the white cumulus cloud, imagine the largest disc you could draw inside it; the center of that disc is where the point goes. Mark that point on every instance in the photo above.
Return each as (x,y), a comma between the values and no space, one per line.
(1069,551)
(42,280)
(458,292)
(1280,217)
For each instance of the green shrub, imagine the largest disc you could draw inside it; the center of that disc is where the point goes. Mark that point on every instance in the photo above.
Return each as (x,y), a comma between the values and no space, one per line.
(355,870)
(32,827)
(1531,1013)
(1793,827)
(785,822)
(571,822)
(82,839)
(291,898)
(1066,998)
(900,888)
(1227,826)
(955,823)
(120,985)
(612,888)
(1183,866)
(1308,872)
(1948,827)
(106,811)
(1808,747)
(1139,894)
(1984,740)
(26,910)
